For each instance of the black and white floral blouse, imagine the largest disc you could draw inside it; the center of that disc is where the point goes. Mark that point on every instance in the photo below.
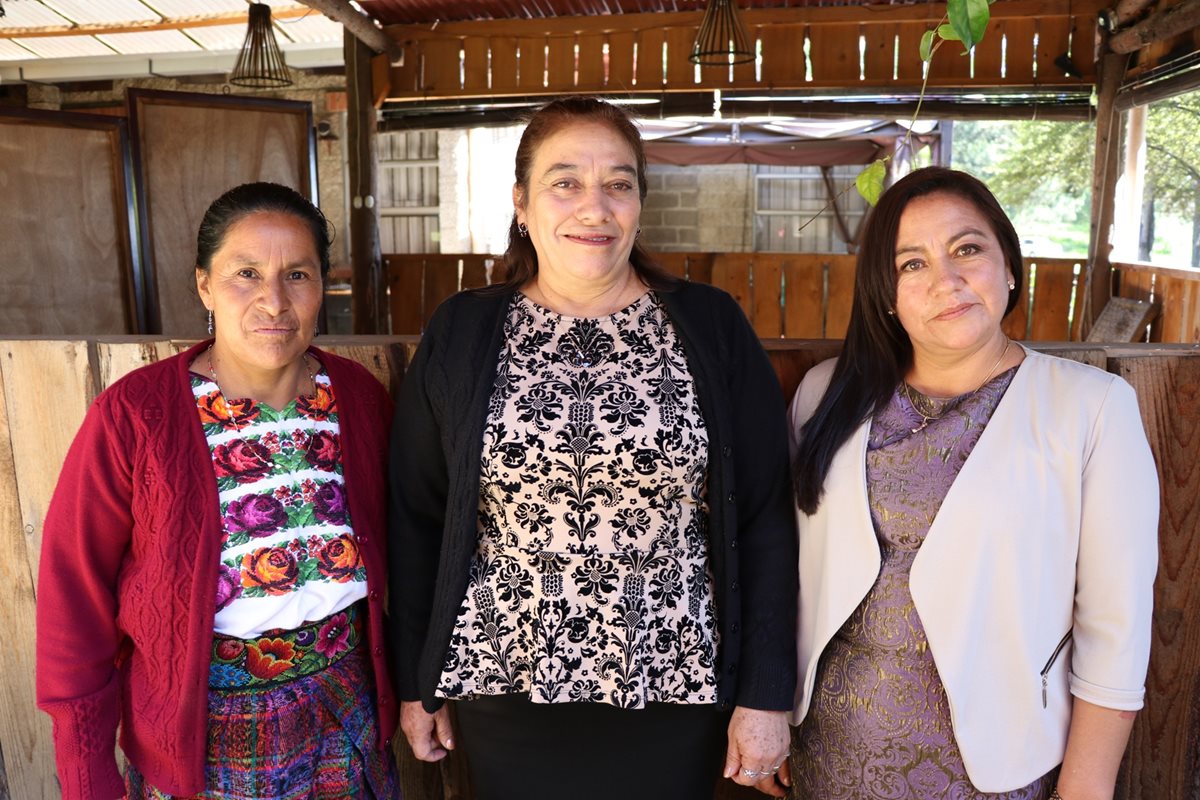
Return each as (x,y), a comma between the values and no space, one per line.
(591,580)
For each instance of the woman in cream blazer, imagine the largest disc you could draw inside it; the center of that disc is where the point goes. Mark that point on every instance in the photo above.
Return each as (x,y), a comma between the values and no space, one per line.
(1033,580)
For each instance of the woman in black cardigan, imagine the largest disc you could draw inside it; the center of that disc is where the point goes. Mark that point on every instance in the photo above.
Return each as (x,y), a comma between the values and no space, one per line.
(593,546)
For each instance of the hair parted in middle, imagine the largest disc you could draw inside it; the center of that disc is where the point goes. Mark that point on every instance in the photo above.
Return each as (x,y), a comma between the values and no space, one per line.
(520,257)
(877,351)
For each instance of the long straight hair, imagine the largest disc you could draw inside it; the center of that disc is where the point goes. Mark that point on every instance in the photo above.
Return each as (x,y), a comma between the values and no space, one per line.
(877,351)
(520,257)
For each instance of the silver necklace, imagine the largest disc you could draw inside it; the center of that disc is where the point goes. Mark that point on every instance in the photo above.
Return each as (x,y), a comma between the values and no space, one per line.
(212,373)
(926,418)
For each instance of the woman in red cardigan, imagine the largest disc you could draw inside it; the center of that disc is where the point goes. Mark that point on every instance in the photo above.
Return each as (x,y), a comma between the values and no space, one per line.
(212,565)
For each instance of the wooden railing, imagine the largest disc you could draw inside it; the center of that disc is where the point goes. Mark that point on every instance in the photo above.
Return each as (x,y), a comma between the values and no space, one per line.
(46,386)
(785,295)
(1176,291)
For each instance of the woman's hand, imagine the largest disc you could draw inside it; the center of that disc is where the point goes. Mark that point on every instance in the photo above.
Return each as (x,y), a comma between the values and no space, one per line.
(758,750)
(428,734)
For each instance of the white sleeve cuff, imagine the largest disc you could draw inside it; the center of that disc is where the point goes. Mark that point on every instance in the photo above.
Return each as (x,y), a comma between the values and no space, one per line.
(1117,699)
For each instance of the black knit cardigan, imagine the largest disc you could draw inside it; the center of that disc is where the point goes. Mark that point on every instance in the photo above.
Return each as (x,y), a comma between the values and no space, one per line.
(437,441)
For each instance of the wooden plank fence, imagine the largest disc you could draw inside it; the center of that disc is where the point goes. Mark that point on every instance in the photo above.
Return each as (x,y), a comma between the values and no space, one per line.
(785,295)
(46,385)
(1175,291)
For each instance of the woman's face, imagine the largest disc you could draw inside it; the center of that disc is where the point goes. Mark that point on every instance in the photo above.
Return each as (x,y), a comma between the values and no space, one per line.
(582,206)
(951,277)
(264,288)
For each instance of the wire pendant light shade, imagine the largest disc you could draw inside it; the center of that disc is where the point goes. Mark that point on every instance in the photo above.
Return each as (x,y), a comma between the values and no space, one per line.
(260,64)
(722,40)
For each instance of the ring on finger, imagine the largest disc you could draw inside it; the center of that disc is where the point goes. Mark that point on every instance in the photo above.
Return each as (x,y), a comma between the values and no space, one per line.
(753,774)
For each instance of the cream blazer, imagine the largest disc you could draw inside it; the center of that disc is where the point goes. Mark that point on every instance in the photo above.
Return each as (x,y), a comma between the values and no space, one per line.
(1035,582)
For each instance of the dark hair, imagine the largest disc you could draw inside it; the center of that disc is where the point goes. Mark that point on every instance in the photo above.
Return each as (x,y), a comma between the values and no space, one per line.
(520,257)
(877,351)
(249,198)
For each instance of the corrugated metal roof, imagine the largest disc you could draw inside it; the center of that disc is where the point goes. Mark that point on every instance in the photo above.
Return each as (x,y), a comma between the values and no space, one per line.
(149,42)
(148,27)
(84,12)
(11,51)
(30,15)
(66,46)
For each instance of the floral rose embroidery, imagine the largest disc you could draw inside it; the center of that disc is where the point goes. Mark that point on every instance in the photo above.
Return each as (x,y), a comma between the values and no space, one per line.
(321,406)
(244,461)
(228,586)
(272,569)
(338,559)
(333,637)
(329,503)
(214,409)
(268,658)
(324,451)
(230,649)
(255,514)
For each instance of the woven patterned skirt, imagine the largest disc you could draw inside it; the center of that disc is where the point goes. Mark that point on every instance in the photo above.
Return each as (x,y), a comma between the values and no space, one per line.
(289,733)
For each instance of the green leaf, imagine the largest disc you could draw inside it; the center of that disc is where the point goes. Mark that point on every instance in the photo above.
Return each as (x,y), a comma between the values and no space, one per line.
(870,181)
(947,33)
(969,18)
(927,45)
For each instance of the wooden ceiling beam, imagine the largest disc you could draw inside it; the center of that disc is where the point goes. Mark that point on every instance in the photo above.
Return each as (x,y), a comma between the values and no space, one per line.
(356,23)
(1166,24)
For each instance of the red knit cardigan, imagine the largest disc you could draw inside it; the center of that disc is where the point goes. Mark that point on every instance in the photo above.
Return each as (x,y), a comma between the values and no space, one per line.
(128,577)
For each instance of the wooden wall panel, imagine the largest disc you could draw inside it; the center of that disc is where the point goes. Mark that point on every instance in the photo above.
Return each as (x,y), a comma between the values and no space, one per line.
(767,288)
(531,65)
(591,62)
(1179,299)
(475,65)
(731,272)
(45,388)
(834,53)
(441,281)
(441,64)
(1018,61)
(783,54)
(504,63)
(189,149)
(1163,759)
(840,296)
(1052,41)
(560,60)
(804,297)
(406,294)
(68,264)
(908,50)
(621,63)
(680,71)
(1053,286)
(649,59)
(879,58)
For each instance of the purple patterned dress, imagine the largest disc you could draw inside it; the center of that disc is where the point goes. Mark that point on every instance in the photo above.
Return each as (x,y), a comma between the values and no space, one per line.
(879,725)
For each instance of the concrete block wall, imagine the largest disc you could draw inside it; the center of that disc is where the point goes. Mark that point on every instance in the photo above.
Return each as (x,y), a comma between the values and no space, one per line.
(699,209)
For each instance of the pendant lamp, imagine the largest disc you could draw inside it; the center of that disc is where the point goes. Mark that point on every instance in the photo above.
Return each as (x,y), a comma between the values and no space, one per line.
(722,40)
(260,64)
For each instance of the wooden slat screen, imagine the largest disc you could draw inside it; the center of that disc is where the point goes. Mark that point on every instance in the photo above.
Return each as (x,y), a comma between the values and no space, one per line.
(791,295)
(1177,293)
(636,44)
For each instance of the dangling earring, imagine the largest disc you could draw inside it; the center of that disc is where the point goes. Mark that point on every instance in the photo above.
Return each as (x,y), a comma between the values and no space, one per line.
(317,329)
(1012,285)
(522,229)
(210,322)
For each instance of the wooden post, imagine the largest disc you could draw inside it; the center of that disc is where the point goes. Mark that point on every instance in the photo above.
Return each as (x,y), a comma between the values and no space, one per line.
(1110,72)
(368,300)
(1127,224)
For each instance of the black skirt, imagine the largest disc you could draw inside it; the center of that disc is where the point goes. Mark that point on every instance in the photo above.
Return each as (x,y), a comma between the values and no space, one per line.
(519,750)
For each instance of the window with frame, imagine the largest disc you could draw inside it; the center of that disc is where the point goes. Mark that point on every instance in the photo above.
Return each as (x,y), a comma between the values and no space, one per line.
(793,213)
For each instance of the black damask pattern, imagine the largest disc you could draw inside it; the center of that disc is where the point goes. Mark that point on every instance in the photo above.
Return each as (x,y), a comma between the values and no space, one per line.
(591,580)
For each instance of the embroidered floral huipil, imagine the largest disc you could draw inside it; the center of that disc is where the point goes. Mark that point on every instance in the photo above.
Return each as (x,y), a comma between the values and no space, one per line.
(590,582)
(288,552)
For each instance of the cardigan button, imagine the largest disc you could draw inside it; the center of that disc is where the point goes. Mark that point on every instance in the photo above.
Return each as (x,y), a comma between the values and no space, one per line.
(733,587)
(733,668)
(362,539)
(733,544)
(732,497)
(374,594)
(726,451)
(735,627)
(379,650)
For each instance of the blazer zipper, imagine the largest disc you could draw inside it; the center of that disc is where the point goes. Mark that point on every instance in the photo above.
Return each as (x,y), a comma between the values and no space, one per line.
(1046,669)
